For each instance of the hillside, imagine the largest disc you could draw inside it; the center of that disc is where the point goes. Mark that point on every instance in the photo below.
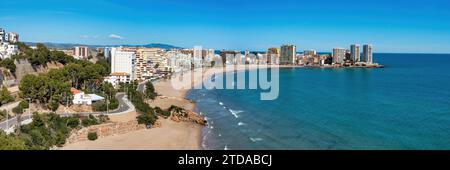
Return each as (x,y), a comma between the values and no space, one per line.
(24,68)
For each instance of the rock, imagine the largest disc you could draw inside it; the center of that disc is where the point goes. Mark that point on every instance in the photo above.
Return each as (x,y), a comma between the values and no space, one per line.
(188,116)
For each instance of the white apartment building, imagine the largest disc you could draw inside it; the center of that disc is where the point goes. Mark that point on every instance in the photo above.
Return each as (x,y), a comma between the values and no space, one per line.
(7,50)
(13,37)
(148,61)
(122,62)
(2,35)
(81,52)
(116,78)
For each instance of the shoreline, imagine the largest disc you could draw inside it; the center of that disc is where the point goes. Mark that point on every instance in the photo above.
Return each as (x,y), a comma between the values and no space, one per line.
(171,135)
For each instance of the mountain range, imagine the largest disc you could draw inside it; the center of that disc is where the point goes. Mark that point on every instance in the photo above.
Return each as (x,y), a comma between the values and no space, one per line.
(71,45)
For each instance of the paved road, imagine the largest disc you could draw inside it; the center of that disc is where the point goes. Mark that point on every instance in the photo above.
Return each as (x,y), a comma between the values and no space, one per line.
(125,106)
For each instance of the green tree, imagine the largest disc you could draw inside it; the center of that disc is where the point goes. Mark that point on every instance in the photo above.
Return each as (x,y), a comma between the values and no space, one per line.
(150,91)
(5,96)
(9,64)
(105,64)
(11,142)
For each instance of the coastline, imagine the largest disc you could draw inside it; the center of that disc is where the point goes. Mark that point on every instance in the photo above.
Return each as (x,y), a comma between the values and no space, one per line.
(170,135)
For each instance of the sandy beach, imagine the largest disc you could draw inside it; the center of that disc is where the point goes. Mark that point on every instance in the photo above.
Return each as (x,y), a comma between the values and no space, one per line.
(172,135)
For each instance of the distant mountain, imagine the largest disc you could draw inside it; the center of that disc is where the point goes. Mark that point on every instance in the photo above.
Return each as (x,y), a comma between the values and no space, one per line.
(71,45)
(56,45)
(155,45)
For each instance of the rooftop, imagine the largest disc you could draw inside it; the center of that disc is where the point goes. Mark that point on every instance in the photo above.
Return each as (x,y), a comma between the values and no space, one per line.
(120,74)
(75,91)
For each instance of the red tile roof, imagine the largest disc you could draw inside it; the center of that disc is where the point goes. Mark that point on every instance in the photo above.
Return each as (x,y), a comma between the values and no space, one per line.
(75,91)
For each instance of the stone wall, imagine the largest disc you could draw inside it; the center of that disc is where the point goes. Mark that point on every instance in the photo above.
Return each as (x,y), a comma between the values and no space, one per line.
(104,130)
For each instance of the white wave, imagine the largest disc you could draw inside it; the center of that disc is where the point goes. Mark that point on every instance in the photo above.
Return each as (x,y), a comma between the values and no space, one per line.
(221,103)
(241,124)
(235,113)
(220,135)
(256,139)
(212,127)
(226,147)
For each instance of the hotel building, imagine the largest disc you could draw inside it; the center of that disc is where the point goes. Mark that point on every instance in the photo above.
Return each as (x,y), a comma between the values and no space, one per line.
(148,61)
(288,54)
(122,61)
(338,55)
(368,54)
(355,50)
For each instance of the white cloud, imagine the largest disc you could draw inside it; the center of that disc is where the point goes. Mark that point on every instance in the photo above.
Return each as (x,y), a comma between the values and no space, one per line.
(115,36)
(85,37)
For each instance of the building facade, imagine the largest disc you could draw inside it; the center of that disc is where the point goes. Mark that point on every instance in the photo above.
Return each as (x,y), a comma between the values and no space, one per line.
(13,37)
(368,54)
(2,35)
(81,52)
(355,50)
(116,78)
(122,62)
(148,61)
(288,54)
(338,55)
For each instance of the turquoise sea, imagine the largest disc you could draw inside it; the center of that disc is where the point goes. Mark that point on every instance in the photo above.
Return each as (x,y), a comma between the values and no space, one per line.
(403,106)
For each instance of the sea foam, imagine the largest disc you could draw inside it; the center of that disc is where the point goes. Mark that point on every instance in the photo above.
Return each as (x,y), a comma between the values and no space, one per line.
(256,139)
(235,113)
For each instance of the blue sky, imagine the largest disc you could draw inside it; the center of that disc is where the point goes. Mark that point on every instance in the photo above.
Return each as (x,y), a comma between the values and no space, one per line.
(391,26)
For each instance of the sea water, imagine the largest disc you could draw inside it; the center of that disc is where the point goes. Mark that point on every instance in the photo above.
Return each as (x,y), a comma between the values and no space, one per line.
(405,105)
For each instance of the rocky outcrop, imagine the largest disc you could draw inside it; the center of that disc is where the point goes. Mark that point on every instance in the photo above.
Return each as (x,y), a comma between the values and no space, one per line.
(183,115)
(104,130)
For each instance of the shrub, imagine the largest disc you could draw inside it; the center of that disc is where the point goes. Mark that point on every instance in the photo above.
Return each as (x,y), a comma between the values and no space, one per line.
(89,121)
(99,106)
(113,104)
(3,114)
(24,104)
(73,122)
(103,118)
(164,113)
(146,118)
(53,105)
(11,143)
(92,136)
(17,110)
